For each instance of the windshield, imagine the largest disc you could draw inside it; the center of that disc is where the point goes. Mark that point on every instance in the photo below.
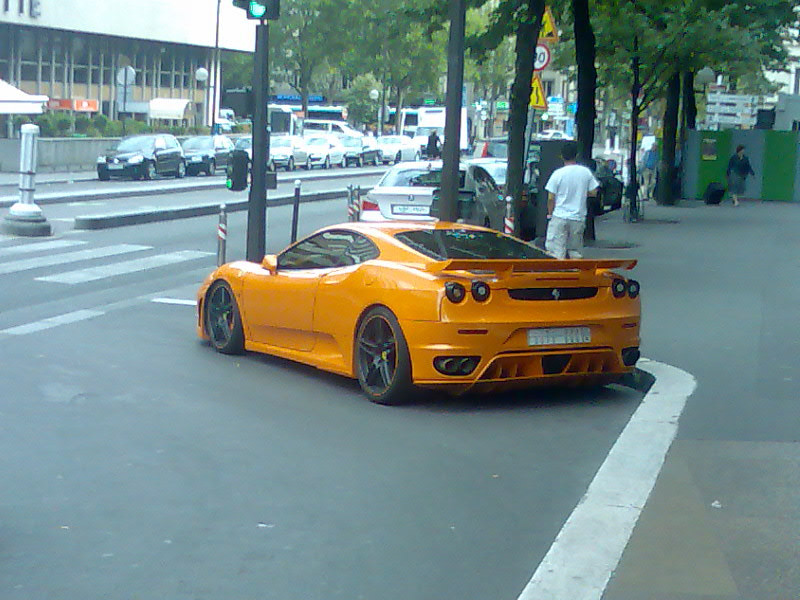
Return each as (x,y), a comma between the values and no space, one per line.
(426,131)
(444,244)
(416,177)
(277,142)
(198,143)
(497,171)
(136,144)
(244,143)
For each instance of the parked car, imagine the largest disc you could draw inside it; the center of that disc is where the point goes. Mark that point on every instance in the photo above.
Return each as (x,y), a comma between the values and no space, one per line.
(409,191)
(553,134)
(206,153)
(361,150)
(397,148)
(143,157)
(325,151)
(493,147)
(288,151)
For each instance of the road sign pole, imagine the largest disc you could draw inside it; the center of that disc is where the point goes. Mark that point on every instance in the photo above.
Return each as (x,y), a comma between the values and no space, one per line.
(257,206)
(25,217)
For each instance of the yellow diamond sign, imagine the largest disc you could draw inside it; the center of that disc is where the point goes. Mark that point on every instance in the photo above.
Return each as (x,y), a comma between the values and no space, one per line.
(538,100)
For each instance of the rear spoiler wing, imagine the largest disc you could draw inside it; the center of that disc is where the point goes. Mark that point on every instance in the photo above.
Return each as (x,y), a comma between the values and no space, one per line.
(529,265)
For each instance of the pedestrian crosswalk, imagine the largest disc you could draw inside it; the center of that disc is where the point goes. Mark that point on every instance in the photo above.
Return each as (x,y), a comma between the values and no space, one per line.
(79,263)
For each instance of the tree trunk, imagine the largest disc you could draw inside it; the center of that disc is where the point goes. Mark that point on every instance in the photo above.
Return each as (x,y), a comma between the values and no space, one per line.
(398,113)
(666,167)
(587,78)
(689,102)
(527,35)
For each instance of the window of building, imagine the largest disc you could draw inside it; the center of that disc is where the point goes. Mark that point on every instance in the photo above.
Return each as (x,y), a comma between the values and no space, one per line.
(5,5)
(796,80)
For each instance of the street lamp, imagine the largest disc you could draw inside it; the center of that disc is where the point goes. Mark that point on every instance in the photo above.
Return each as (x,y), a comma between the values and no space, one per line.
(374,95)
(704,77)
(201,75)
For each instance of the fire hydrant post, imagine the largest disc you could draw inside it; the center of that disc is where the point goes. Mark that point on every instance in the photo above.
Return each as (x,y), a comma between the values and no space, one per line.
(508,222)
(222,235)
(295,209)
(25,217)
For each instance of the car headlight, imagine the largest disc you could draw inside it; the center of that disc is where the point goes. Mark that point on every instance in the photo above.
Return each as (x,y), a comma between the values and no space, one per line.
(135,160)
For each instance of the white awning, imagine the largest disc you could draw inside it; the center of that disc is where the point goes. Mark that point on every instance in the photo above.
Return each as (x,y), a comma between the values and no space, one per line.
(16,102)
(170,108)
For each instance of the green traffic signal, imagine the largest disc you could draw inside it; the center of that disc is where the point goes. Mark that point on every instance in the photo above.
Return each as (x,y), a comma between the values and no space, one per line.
(256,9)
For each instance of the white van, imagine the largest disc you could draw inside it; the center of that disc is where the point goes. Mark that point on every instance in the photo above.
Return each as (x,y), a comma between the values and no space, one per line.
(317,126)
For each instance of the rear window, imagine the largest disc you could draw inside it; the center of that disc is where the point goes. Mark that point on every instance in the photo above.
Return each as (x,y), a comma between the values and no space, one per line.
(445,244)
(417,177)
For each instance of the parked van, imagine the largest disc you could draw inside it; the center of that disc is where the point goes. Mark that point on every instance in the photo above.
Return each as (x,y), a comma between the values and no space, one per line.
(316,126)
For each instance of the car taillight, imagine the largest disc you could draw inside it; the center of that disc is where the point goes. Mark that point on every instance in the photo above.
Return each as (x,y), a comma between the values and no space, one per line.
(454,291)
(618,288)
(485,151)
(633,288)
(369,205)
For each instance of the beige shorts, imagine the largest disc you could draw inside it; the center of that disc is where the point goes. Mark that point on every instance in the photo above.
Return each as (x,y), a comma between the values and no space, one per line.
(565,238)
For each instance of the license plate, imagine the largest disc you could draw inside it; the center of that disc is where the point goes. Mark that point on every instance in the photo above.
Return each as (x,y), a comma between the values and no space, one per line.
(197,159)
(552,336)
(115,167)
(410,209)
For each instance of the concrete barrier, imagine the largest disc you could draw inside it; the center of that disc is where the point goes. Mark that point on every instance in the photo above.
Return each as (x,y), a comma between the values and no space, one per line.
(57,154)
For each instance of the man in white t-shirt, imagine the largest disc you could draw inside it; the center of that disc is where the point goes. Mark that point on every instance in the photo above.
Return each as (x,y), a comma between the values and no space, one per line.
(568,190)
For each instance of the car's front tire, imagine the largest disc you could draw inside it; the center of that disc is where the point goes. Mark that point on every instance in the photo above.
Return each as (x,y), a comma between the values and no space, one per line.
(222,320)
(149,170)
(103,175)
(212,167)
(180,173)
(382,360)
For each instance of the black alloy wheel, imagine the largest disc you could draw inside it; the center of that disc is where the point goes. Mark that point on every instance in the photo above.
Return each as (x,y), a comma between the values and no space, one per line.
(383,365)
(222,322)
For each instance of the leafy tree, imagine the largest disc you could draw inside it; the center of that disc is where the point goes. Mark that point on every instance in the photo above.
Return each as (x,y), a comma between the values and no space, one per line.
(360,107)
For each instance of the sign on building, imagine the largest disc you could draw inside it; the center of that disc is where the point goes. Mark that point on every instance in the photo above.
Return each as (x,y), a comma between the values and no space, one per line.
(731,109)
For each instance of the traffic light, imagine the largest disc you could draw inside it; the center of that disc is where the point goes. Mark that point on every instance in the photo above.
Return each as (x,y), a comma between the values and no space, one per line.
(237,171)
(260,9)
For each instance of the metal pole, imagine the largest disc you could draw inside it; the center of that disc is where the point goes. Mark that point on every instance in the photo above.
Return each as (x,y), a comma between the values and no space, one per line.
(357,203)
(222,235)
(508,222)
(455,80)
(214,81)
(295,209)
(351,207)
(124,100)
(257,206)
(25,217)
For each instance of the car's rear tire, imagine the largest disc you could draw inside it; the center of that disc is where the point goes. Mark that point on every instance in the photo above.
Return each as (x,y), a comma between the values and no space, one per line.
(382,360)
(290,165)
(222,320)
(180,173)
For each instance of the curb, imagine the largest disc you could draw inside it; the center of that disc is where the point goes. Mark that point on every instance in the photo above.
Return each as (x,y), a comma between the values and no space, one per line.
(62,197)
(124,219)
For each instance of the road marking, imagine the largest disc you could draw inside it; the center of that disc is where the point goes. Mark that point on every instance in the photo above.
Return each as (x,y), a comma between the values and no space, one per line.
(39,247)
(49,323)
(68,257)
(174,301)
(589,546)
(123,268)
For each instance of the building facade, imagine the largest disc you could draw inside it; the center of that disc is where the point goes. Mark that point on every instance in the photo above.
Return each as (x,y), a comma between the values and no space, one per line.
(77,52)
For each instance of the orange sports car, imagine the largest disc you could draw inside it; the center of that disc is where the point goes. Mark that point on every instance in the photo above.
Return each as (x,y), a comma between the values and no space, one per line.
(446,306)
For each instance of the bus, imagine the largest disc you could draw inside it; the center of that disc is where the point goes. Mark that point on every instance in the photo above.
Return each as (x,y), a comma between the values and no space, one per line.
(408,120)
(282,119)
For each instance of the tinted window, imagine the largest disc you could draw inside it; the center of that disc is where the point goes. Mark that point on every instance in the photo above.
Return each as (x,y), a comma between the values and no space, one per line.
(136,144)
(443,244)
(417,177)
(198,143)
(244,143)
(329,249)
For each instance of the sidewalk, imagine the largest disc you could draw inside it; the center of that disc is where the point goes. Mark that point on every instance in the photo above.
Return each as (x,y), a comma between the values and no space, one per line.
(720,295)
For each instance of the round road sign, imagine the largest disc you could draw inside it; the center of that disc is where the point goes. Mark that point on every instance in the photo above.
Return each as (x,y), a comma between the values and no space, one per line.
(542,57)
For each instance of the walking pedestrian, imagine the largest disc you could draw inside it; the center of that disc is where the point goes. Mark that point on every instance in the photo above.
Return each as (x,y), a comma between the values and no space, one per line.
(649,168)
(433,147)
(738,170)
(568,190)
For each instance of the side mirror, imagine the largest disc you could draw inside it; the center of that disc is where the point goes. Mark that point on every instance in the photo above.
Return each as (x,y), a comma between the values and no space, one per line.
(270,263)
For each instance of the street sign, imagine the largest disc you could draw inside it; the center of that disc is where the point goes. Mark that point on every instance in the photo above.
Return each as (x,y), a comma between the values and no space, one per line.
(502,105)
(537,94)
(548,32)
(542,58)
(555,106)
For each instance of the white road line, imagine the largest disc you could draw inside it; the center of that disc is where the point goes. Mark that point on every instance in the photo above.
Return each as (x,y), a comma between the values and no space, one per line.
(68,257)
(39,247)
(589,546)
(131,266)
(174,301)
(72,317)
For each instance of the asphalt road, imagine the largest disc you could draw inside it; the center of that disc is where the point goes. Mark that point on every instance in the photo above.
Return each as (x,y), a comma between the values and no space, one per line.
(138,463)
